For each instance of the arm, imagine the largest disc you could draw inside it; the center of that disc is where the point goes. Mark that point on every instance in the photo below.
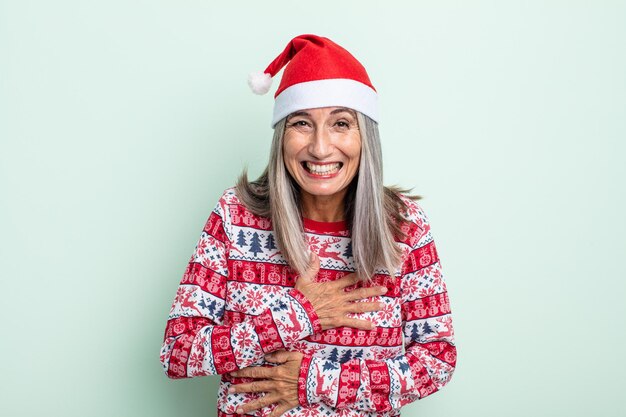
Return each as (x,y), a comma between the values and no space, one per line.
(430,354)
(197,342)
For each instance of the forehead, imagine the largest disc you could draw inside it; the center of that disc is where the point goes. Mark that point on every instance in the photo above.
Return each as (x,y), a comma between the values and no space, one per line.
(333,111)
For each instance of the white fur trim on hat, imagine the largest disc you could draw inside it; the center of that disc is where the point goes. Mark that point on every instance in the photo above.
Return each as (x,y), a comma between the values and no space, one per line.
(335,92)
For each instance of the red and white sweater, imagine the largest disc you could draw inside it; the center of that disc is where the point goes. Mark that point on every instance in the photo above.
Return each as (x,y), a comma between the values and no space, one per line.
(236,303)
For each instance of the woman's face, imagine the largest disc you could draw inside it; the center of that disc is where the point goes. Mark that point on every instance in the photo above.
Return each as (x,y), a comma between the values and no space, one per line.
(322,149)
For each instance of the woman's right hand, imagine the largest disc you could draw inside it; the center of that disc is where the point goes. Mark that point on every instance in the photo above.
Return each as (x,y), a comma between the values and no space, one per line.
(332,303)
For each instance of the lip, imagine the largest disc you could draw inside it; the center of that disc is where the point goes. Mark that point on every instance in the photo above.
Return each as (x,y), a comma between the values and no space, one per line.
(318,176)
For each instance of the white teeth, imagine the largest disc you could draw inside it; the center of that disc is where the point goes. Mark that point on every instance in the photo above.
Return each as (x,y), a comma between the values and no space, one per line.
(323,169)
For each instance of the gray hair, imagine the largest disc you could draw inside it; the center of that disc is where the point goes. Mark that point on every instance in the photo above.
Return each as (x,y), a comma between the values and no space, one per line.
(373,212)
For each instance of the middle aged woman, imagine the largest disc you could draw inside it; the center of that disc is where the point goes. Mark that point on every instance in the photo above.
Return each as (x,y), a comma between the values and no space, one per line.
(315,290)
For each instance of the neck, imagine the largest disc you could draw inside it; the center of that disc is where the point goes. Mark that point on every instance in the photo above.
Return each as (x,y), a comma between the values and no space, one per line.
(323,208)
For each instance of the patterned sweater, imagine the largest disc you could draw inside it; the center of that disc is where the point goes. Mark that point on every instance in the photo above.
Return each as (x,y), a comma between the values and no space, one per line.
(236,302)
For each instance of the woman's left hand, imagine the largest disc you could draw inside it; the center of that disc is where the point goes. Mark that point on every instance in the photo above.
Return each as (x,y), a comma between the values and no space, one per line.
(279,382)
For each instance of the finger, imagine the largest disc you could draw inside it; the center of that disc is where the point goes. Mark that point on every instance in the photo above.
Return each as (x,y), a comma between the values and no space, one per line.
(361,293)
(256,386)
(282,408)
(346,281)
(259,403)
(356,323)
(284,356)
(280,356)
(364,307)
(254,372)
(312,269)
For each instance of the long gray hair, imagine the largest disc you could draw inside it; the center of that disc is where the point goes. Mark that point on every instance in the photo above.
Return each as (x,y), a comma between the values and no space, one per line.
(372,211)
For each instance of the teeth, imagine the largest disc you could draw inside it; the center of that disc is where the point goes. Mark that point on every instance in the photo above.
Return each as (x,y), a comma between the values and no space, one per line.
(323,169)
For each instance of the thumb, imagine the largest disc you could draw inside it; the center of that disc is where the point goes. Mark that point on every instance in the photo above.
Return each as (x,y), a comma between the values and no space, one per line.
(313,268)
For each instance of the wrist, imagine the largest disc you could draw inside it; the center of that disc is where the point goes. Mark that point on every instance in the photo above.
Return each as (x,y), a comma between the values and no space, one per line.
(305,365)
(308,308)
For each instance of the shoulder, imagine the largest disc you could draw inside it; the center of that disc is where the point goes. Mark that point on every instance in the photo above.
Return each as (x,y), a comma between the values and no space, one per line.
(416,225)
(228,198)
(220,215)
(412,211)
(236,214)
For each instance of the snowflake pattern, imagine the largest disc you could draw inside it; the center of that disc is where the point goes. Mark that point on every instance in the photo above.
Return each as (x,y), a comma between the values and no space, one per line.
(237,303)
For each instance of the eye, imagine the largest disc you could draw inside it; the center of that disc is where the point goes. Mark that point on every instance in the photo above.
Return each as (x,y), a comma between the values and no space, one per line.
(343,124)
(299,123)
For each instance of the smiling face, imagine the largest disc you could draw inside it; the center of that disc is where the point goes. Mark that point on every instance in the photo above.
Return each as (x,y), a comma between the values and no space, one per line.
(322,150)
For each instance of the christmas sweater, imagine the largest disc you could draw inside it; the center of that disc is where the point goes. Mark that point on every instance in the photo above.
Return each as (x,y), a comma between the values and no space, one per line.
(236,302)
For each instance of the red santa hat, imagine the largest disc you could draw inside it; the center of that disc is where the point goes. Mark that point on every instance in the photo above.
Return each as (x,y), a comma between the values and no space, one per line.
(318,73)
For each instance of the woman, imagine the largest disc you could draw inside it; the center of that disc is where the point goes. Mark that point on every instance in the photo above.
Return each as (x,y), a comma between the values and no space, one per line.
(315,290)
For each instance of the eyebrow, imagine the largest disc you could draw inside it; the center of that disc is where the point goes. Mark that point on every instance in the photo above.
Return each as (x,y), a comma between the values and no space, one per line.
(342,109)
(339,110)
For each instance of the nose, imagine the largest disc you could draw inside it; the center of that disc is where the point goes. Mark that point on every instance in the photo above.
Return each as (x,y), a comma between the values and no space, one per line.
(320,145)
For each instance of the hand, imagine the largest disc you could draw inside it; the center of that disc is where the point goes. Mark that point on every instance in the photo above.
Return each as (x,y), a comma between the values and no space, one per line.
(279,382)
(332,303)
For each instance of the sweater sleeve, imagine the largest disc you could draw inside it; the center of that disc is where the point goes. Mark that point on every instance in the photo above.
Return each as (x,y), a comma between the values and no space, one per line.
(196,340)
(429,357)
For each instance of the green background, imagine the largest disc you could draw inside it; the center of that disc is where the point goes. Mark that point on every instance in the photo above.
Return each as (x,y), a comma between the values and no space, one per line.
(121,122)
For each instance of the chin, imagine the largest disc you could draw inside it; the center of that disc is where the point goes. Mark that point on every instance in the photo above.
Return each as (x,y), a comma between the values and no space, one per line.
(322,192)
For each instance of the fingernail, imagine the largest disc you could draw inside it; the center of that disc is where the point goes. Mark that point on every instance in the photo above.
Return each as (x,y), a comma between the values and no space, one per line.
(231,390)
(383,289)
(239,410)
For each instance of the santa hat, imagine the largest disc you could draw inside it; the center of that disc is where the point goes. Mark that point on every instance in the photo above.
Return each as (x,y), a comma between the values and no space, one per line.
(318,73)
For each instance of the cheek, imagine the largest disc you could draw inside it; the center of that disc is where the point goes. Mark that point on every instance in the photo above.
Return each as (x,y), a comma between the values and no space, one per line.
(355,162)
(290,156)
(355,167)
(354,152)
(353,147)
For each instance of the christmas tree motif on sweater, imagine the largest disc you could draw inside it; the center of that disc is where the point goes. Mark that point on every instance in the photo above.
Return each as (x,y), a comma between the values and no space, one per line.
(236,303)
(334,355)
(348,252)
(208,306)
(255,244)
(241,239)
(269,242)
(404,366)
(415,334)
(345,357)
(270,245)
(426,329)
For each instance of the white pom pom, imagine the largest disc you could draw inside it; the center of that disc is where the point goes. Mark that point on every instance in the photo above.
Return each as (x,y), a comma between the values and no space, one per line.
(260,82)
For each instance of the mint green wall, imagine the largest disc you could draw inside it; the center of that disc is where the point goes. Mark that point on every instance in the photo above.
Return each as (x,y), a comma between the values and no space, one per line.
(122,121)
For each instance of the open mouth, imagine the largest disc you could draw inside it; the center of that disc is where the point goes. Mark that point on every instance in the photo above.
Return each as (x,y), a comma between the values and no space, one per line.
(322,169)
